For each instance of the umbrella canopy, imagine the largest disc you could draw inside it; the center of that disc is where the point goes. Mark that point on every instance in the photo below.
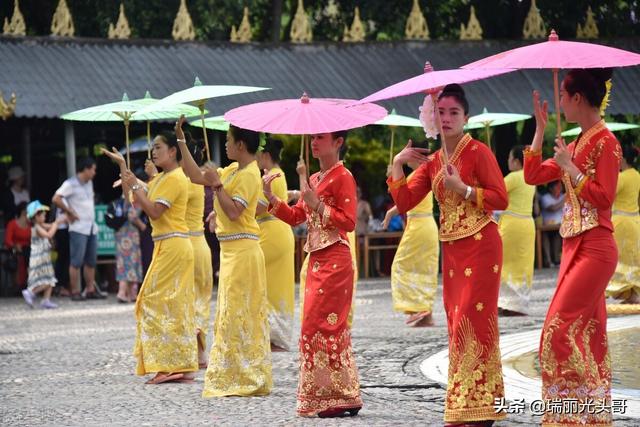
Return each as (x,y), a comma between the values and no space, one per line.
(214,123)
(138,145)
(394,119)
(612,126)
(111,112)
(432,80)
(198,95)
(555,54)
(558,54)
(305,116)
(480,121)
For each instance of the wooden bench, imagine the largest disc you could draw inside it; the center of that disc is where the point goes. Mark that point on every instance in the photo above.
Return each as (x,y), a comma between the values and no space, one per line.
(368,246)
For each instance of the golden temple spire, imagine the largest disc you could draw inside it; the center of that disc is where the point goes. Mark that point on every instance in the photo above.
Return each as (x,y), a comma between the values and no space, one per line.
(416,27)
(243,33)
(301,27)
(534,27)
(17,26)
(473,30)
(62,22)
(183,25)
(121,30)
(356,33)
(590,29)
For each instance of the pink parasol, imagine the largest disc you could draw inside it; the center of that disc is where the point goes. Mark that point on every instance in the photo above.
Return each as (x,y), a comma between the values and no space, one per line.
(432,80)
(556,54)
(304,116)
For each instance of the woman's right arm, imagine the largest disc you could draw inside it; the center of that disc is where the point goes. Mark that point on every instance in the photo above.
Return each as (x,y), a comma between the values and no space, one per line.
(407,195)
(537,172)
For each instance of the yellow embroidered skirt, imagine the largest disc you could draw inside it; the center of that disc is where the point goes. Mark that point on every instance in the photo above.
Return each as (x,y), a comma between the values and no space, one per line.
(627,276)
(240,358)
(203,284)
(518,244)
(414,272)
(165,333)
(276,241)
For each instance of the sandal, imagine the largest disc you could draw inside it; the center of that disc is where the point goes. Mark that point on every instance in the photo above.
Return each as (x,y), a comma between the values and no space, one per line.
(339,412)
(417,317)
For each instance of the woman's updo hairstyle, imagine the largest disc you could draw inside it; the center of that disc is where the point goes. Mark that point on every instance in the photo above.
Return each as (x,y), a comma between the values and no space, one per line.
(250,138)
(169,138)
(196,148)
(455,91)
(588,82)
(517,151)
(274,148)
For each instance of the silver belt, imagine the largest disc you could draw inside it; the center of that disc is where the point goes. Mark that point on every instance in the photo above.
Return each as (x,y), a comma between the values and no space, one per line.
(196,233)
(169,236)
(419,215)
(623,213)
(238,236)
(517,215)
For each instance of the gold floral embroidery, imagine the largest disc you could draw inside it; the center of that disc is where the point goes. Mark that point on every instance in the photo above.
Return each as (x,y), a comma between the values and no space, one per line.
(479,306)
(478,236)
(329,377)
(475,374)
(579,377)
(316,267)
(467,272)
(332,318)
(335,266)
(320,291)
(347,200)
(496,267)
(450,273)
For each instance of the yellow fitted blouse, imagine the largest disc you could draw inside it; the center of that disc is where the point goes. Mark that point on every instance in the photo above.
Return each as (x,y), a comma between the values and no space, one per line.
(195,208)
(243,186)
(278,188)
(424,208)
(520,194)
(170,189)
(627,191)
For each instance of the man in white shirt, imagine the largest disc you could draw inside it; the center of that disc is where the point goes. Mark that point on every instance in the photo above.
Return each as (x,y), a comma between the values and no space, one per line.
(551,205)
(75,199)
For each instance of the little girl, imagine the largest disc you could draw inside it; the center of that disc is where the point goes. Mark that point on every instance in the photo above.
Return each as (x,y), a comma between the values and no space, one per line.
(41,274)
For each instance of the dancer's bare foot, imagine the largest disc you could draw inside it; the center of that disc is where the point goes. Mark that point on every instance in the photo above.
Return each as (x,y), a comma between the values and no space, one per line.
(634,298)
(420,320)
(276,348)
(509,313)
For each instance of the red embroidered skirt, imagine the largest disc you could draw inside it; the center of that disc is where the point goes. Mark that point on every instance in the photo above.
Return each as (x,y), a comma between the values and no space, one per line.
(328,373)
(471,282)
(574,357)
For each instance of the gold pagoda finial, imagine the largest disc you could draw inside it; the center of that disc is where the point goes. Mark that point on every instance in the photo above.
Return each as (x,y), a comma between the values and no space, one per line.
(356,33)
(416,27)
(590,29)
(62,23)
(121,30)
(7,108)
(243,33)
(301,27)
(473,30)
(183,25)
(16,27)
(534,27)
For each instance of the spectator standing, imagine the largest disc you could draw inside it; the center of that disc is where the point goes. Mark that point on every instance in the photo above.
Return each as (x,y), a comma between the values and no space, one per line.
(76,199)
(17,239)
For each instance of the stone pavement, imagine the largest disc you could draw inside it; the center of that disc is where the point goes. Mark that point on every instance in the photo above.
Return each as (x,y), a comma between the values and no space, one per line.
(73,366)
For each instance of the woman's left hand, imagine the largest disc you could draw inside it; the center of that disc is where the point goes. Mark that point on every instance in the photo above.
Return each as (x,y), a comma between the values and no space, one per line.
(562,156)
(178,127)
(114,155)
(212,177)
(452,180)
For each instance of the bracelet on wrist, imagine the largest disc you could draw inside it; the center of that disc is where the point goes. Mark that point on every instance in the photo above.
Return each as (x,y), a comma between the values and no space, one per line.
(182,140)
(467,194)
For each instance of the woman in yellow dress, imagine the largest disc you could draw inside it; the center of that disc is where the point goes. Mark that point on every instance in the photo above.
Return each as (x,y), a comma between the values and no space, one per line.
(240,358)
(165,340)
(625,284)
(202,271)
(414,272)
(518,232)
(277,243)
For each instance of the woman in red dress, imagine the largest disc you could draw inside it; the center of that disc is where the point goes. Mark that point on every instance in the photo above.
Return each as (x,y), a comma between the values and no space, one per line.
(328,385)
(574,359)
(468,189)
